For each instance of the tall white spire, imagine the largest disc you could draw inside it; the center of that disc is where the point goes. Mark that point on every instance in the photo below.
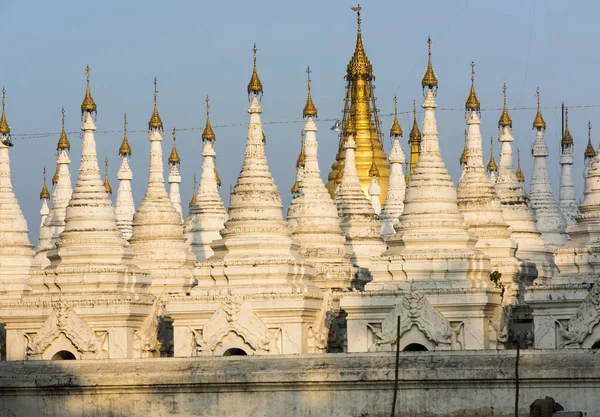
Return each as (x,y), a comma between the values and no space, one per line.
(517,211)
(299,168)
(479,203)
(550,220)
(16,254)
(566,193)
(207,211)
(125,207)
(44,198)
(55,221)
(313,216)
(394,203)
(175,177)
(157,237)
(590,152)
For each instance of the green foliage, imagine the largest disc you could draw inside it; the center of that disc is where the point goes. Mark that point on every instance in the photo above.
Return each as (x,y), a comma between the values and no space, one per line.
(495,278)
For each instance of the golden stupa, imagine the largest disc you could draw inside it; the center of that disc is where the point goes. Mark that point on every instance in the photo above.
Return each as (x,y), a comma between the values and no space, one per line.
(368,137)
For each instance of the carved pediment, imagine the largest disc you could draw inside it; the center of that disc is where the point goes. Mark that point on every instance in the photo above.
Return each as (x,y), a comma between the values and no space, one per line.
(582,323)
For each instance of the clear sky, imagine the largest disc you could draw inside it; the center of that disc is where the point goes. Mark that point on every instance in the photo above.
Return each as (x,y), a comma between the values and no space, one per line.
(196,48)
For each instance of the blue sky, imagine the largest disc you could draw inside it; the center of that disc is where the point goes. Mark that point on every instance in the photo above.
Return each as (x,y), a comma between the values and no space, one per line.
(196,48)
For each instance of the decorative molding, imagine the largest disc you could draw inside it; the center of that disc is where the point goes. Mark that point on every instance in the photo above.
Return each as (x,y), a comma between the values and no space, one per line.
(582,323)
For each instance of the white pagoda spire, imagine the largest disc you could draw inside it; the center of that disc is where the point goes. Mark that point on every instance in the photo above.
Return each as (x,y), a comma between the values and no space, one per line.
(175,177)
(207,211)
(16,254)
(478,201)
(125,207)
(313,216)
(374,190)
(590,152)
(157,236)
(566,193)
(44,210)
(55,221)
(550,220)
(394,203)
(359,221)
(299,168)
(492,167)
(516,209)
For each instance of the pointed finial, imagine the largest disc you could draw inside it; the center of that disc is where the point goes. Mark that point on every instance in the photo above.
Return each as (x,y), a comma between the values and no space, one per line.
(373,171)
(208,133)
(174,157)
(107,186)
(217,178)
(155,121)
(590,152)
(492,166)
(520,175)
(567,139)
(4,127)
(44,194)
(472,103)
(538,122)
(396,129)
(300,160)
(56,174)
(88,104)
(415,133)
(357,9)
(254,86)
(125,149)
(463,156)
(429,78)
(63,141)
(505,120)
(193,200)
(310,110)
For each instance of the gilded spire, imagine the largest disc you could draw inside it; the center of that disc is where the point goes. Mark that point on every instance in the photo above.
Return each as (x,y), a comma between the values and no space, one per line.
(193,200)
(174,157)
(567,139)
(155,121)
(415,133)
(349,126)
(373,171)
(396,129)
(4,127)
(107,186)
(217,178)
(45,194)
(359,65)
(254,86)
(492,166)
(520,175)
(463,156)
(125,149)
(505,119)
(300,160)
(63,141)
(55,177)
(310,110)
(590,152)
(208,133)
(429,78)
(88,104)
(472,100)
(539,122)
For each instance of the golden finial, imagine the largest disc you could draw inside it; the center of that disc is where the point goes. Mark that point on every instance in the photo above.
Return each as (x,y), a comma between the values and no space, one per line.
(472,100)
(505,120)
(295,187)
(217,178)
(520,175)
(56,174)
(415,133)
(429,78)
(88,104)
(463,156)
(567,139)
(300,160)
(155,121)
(492,166)
(107,186)
(396,129)
(125,149)
(208,133)
(4,127)
(264,136)
(254,86)
(63,141)
(359,65)
(349,128)
(44,194)
(193,200)
(174,157)
(539,122)
(373,171)
(310,110)
(590,152)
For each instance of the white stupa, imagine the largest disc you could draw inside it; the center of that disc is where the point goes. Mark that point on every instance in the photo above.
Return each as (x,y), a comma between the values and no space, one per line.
(125,207)
(566,193)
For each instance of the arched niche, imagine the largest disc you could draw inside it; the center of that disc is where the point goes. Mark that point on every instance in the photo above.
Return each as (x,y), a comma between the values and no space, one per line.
(63,355)
(233,342)
(596,345)
(58,345)
(235,352)
(414,336)
(415,347)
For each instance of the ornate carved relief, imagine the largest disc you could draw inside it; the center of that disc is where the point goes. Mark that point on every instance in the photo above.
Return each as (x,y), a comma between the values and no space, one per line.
(63,320)
(148,337)
(582,323)
(328,333)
